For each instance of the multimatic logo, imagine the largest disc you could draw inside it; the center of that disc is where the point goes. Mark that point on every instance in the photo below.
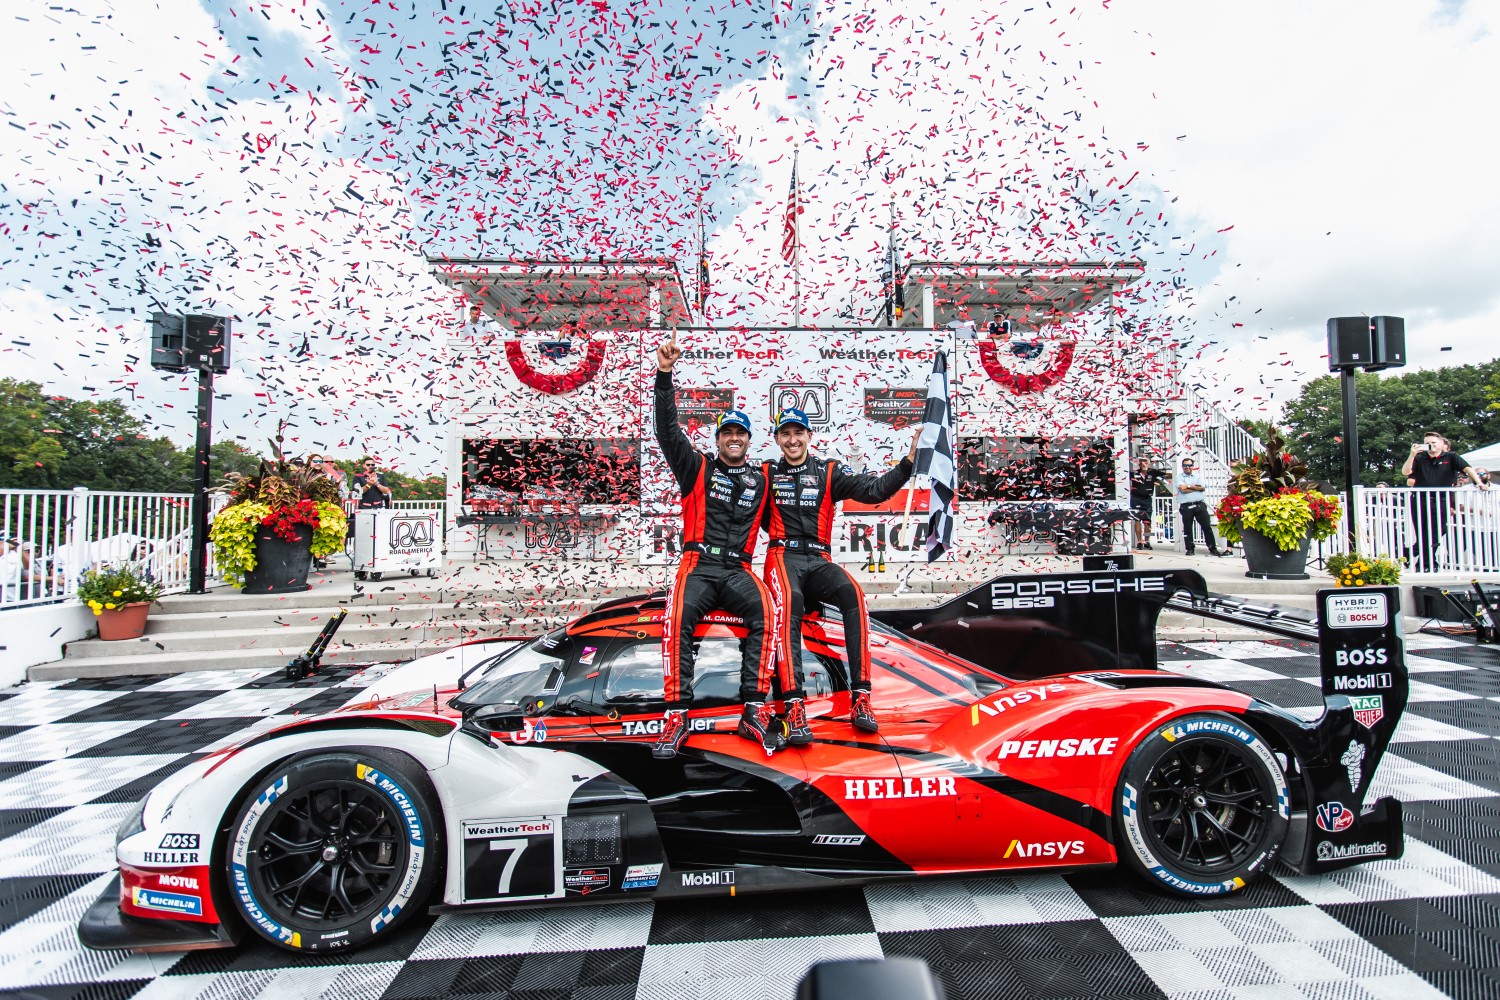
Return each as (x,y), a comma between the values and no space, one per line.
(1339,852)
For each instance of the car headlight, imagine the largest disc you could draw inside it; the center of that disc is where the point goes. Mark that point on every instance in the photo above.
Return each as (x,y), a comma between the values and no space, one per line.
(132,824)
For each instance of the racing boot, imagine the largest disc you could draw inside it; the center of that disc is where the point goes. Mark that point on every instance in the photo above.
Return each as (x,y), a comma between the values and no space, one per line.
(674,730)
(759,723)
(798,735)
(861,714)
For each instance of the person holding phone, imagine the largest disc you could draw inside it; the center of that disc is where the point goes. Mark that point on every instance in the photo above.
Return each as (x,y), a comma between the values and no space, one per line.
(370,486)
(1432,466)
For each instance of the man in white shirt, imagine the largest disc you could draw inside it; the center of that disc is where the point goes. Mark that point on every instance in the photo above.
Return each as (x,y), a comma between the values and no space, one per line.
(1192,504)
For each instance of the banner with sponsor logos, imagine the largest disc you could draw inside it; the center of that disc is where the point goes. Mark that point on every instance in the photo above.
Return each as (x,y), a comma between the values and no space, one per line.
(862,391)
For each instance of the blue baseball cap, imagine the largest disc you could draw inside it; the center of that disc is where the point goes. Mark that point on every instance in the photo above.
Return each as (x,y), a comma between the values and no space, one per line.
(792,415)
(732,418)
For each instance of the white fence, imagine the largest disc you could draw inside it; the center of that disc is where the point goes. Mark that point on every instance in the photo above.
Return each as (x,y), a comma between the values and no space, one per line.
(54,535)
(1437,532)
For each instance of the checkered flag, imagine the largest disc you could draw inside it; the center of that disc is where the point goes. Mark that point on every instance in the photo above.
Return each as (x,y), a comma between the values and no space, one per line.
(935,459)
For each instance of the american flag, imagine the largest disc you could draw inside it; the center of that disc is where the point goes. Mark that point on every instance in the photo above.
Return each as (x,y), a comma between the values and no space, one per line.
(790,242)
(935,459)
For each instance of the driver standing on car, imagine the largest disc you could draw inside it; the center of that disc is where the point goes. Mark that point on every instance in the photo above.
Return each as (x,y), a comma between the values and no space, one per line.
(804,493)
(723,501)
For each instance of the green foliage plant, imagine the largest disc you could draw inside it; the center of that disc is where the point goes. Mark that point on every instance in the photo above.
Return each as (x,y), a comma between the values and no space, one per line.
(1267,493)
(280,495)
(108,588)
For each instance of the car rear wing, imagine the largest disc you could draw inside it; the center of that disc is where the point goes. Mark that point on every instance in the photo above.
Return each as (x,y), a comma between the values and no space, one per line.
(1040,624)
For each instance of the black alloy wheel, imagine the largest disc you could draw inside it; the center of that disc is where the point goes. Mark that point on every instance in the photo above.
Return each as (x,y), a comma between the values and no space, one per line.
(333,850)
(1202,805)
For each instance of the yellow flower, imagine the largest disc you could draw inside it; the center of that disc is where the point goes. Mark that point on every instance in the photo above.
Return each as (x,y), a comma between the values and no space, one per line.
(119,593)
(1359,583)
(110,605)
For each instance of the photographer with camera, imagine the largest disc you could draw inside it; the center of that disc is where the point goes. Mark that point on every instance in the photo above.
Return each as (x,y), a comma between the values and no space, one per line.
(1432,466)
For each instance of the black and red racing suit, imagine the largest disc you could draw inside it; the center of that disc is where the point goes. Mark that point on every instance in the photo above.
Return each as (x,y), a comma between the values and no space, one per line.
(722,510)
(798,568)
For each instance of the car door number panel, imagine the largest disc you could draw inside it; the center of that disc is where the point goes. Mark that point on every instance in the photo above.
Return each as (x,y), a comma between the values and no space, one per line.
(511,859)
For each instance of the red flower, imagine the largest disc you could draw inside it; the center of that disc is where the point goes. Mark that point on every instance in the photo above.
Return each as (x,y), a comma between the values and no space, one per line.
(284,521)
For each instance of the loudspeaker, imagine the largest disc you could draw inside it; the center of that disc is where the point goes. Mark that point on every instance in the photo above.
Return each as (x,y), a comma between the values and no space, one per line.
(190,343)
(167,342)
(207,342)
(1387,343)
(1350,343)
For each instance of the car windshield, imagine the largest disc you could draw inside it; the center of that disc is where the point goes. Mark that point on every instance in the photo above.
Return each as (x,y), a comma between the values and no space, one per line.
(529,671)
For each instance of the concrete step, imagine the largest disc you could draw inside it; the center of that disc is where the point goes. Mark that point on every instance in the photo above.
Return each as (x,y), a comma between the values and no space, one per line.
(268,658)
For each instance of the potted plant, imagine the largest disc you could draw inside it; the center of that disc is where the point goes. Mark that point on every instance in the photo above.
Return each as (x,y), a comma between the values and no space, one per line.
(277,521)
(1274,513)
(120,597)
(1350,569)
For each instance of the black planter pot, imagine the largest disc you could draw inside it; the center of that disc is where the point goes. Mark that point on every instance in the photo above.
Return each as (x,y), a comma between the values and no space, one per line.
(281,567)
(1267,562)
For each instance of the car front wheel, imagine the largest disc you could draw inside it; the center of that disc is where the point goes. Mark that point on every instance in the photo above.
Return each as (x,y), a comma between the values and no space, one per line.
(331,851)
(1201,806)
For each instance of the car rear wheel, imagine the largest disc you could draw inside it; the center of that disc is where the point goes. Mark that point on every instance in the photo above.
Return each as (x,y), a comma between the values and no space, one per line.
(331,851)
(1201,806)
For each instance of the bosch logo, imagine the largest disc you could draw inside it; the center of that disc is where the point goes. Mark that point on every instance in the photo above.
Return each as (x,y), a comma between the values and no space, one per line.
(179,842)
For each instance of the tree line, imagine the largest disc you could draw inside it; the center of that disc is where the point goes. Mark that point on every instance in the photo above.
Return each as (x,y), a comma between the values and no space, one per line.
(1461,402)
(52,442)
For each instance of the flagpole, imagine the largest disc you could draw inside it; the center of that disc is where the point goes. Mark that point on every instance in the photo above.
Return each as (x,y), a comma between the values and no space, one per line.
(797,245)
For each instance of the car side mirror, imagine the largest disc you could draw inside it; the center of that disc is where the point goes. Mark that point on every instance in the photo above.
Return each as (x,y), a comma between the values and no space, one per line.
(500,720)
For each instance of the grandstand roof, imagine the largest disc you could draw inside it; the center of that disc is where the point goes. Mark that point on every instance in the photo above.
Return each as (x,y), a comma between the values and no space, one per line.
(1031,295)
(544,293)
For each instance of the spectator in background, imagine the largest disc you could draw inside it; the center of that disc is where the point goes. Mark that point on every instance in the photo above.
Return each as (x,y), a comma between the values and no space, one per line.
(1432,466)
(11,569)
(1193,506)
(319,467)
(1144,479)
(370,486)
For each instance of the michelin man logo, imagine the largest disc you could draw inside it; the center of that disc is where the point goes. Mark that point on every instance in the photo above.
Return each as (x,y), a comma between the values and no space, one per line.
(1352,759)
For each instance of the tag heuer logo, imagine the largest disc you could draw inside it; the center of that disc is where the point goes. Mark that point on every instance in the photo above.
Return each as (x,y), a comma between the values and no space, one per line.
(1368,709)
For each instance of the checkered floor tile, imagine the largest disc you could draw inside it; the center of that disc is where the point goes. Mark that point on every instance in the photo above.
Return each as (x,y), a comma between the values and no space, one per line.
(75,756)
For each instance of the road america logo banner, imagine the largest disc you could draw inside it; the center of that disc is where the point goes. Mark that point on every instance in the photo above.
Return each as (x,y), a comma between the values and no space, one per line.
(1368,709)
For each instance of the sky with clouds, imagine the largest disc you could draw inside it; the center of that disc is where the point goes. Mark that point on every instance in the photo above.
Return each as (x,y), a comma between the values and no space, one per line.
(1273,164)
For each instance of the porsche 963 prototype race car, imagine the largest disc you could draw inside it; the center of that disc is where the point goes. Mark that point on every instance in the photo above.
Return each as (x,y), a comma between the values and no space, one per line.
(1023,725)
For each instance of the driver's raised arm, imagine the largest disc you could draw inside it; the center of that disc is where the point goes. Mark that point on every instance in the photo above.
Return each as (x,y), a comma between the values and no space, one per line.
(682,458)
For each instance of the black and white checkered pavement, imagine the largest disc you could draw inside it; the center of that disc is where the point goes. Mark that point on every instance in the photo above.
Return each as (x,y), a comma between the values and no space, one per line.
(75,756)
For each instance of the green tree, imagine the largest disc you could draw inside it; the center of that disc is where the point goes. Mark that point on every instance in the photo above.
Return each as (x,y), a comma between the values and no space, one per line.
(53,442)
(1394,411)
(225,457)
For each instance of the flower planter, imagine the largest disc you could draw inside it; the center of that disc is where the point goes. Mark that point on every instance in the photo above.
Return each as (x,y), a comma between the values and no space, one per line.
(125,622)
(1267,562)
(281,567)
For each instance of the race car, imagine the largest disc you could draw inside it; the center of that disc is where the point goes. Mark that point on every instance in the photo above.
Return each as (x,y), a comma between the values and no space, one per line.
(501,774)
